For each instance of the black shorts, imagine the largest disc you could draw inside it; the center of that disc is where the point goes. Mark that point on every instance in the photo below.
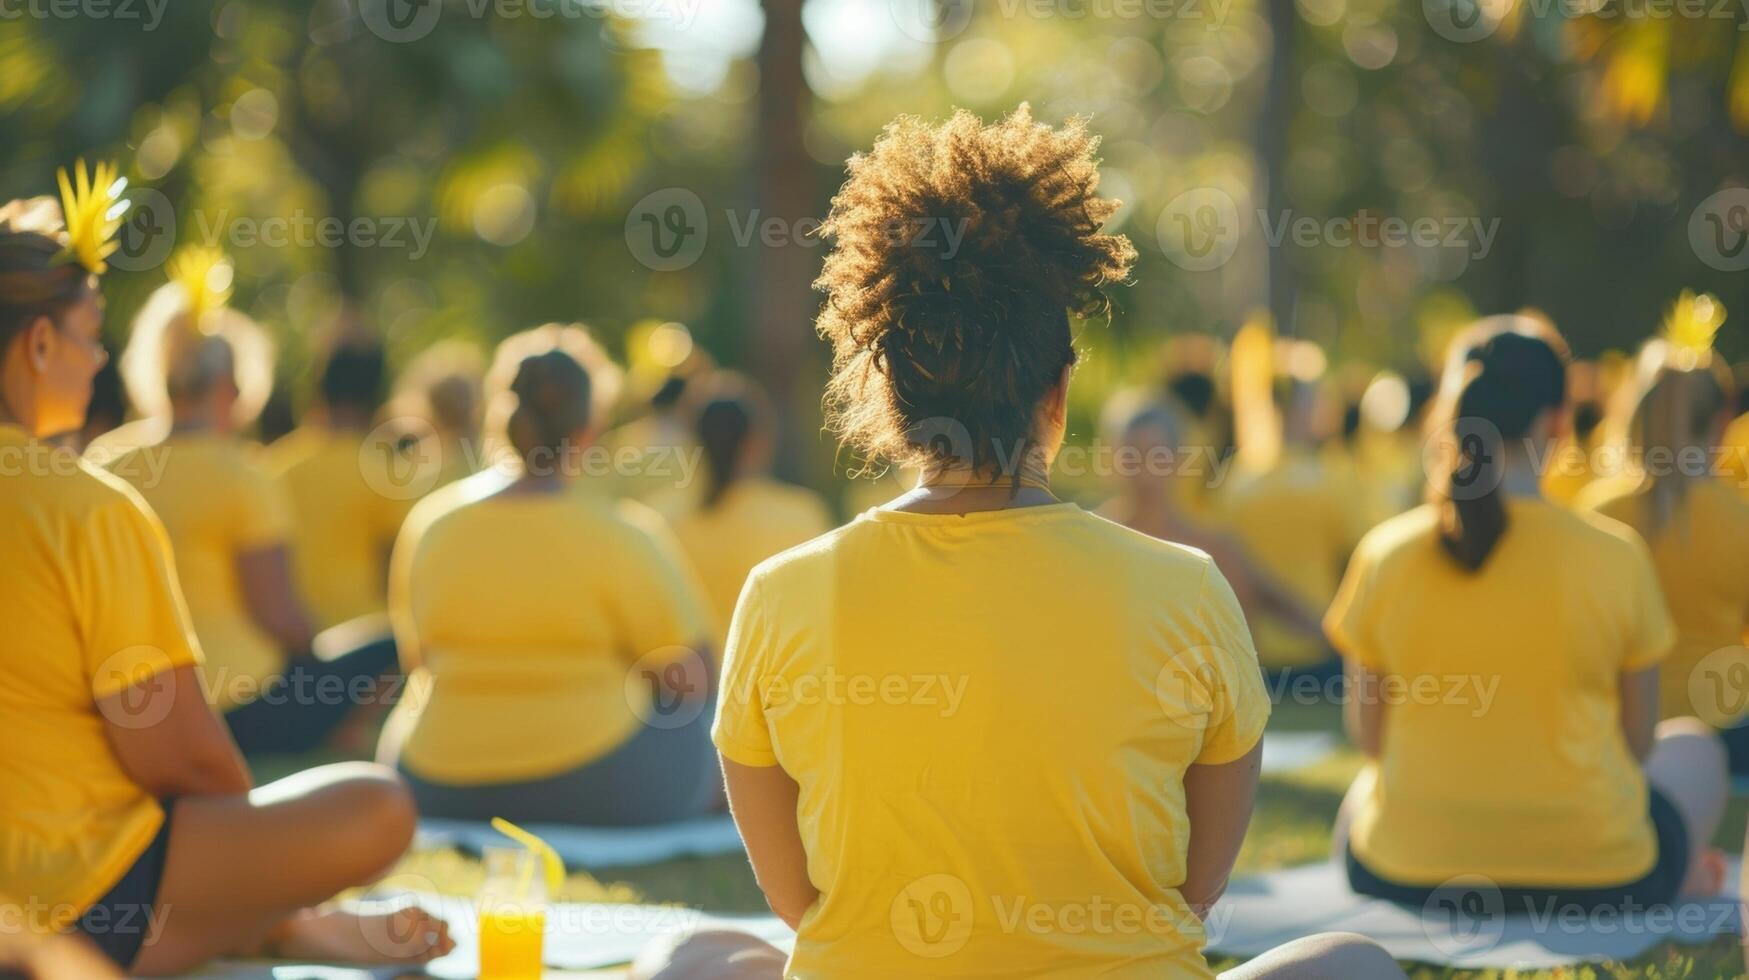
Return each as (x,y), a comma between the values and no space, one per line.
(119,922)
(1658,887)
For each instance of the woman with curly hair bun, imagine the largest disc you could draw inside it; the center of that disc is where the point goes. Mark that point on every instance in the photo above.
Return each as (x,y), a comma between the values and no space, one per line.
(978,730)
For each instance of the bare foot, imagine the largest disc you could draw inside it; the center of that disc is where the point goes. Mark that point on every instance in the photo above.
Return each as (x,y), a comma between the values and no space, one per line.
(1706,874)
(373,934)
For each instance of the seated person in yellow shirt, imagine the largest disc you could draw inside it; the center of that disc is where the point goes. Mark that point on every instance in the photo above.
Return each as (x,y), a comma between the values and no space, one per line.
(1698,529)
(190,359)
(128,814)
(557,648)
(348,492)
(1151,459)
(1503,658)
(978,705)
(742,516)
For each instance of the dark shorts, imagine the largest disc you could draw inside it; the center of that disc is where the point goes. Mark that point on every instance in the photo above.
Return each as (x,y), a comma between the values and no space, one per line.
(119,922)
(1659,886)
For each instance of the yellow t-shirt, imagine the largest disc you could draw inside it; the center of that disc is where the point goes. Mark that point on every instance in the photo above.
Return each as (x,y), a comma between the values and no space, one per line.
(1733,464)
(216,503)
(528,618)
(990,717)
(1503,752)
(347,504)
(1298,521)
(1703,565)
(754,520)
(90,605)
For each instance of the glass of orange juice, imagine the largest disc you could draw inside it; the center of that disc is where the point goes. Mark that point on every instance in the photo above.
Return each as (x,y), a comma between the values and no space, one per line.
(513,915)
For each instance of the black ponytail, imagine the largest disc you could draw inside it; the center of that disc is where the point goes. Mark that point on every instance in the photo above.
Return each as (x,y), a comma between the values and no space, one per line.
(729,413)
(1511,379)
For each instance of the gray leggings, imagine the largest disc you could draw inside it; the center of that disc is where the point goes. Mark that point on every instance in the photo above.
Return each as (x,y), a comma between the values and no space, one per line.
(658,775)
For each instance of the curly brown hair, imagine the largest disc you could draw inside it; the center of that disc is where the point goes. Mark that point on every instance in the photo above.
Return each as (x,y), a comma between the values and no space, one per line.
(959,251)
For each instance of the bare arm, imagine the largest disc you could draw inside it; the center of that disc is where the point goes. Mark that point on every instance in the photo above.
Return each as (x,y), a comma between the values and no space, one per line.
(266,577)
(763,799)
(1364,714)
(1218,800)
(169,741)
(1639,710)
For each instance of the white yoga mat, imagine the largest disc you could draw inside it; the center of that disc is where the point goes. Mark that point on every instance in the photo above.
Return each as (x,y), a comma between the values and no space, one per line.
(1260,912)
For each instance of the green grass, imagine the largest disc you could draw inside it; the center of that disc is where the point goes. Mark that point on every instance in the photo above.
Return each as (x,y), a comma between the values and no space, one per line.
(1291,826)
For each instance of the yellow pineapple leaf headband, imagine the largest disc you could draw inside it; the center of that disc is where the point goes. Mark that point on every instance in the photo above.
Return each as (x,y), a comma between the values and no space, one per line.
(92,206)
(1691,325)
(205,277)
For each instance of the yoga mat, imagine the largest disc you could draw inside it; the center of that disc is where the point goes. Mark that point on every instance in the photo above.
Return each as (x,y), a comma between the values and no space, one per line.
(1260,912)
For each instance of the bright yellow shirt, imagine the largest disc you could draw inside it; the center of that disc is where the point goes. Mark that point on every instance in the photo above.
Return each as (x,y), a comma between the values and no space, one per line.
(347,504)
(754,520)
(522,616)
(1298,521)
(1503,753)
(216,504)
(1703,565)
(990,718)
(90,606)
(1733,465)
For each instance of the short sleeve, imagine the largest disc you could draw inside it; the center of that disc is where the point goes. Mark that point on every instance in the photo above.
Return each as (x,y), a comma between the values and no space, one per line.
(1239,702)
(1649,629)
(1351,623)
(260,512)
(133,620)
(740,731)
(660,602)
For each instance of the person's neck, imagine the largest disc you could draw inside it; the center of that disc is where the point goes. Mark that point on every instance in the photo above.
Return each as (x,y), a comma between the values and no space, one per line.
(346,420)
(964,490)
(1152,511)
(192,424)
(534,484)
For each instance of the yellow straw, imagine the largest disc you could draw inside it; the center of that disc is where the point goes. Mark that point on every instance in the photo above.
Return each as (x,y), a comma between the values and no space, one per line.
(555,867)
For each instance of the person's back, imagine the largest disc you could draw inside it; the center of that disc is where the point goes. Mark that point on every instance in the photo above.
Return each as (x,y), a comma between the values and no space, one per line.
(1504,754)
(755,519)
(1703,565)
(528,611)
(347,503)
(215,503)
(989,720)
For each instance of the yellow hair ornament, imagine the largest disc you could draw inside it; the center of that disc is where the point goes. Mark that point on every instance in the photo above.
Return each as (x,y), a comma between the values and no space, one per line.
(1691,325)
(205,277)
(92,206)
